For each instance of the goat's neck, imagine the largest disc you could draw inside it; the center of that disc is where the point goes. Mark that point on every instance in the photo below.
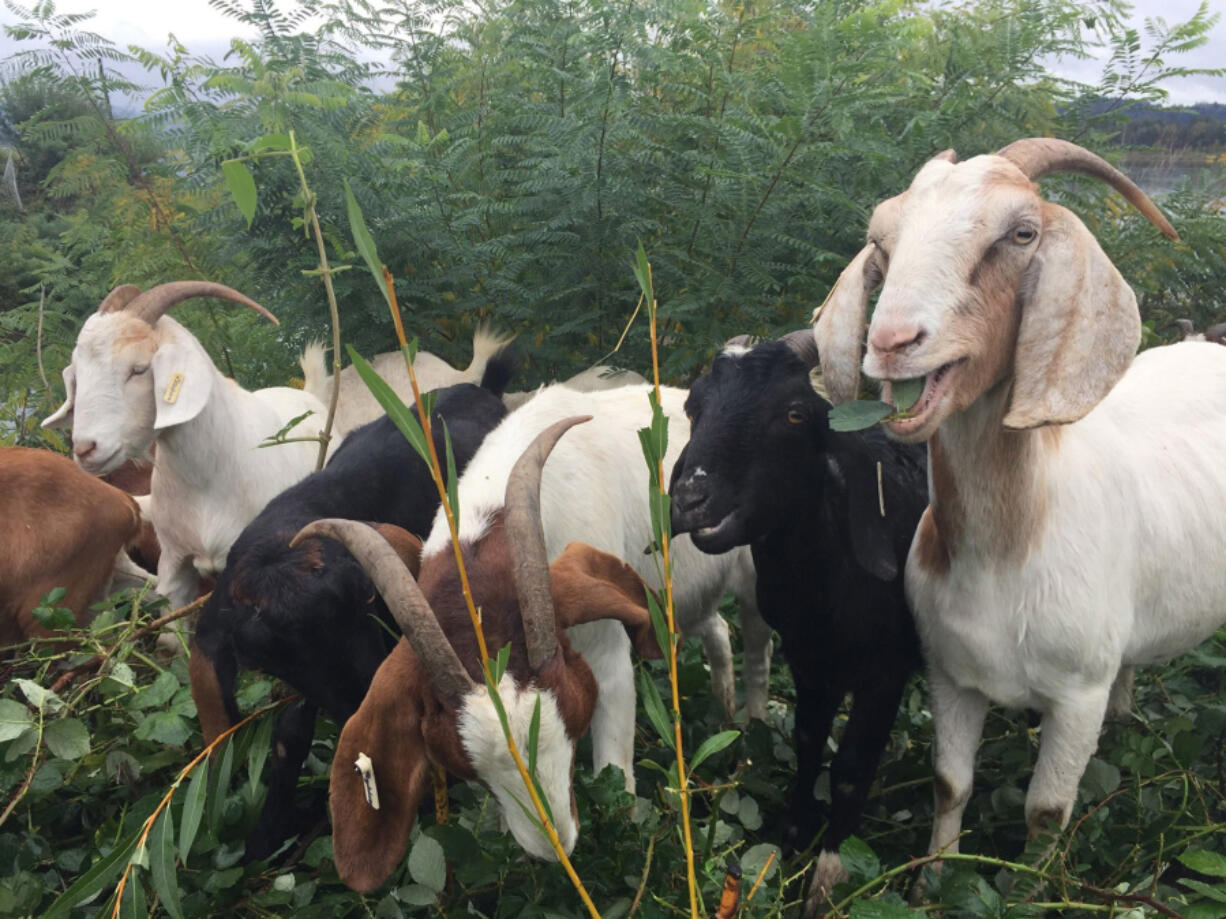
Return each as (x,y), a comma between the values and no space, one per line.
(205,451)
(986,482)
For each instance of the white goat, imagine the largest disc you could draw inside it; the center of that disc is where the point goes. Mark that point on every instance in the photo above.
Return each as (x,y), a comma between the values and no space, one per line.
(1051,560)
(356,405)
(137,378)
(594,491)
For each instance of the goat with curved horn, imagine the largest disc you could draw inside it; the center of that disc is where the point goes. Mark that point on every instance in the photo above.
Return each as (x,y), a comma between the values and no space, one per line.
(403,597)
(1040,156)
(526,538)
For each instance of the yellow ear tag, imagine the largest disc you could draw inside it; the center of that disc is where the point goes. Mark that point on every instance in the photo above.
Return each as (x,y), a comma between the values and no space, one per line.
(172,389)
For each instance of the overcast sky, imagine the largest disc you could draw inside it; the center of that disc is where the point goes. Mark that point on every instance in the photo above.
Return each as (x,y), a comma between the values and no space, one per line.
(148,23)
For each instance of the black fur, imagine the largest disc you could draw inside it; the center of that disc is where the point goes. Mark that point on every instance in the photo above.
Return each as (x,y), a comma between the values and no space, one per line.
(830,567)
(309,615)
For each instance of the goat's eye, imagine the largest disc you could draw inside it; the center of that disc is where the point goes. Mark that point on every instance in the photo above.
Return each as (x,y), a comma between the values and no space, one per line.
(795,416)
(138,369)
(1023,235)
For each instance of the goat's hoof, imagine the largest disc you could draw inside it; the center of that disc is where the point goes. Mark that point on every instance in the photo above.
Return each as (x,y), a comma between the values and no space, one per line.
(171,643)
(828,872)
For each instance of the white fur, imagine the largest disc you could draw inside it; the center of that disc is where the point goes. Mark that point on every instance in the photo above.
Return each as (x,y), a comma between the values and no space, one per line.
(481,733)
(356,405)
(209,480)
(594,490)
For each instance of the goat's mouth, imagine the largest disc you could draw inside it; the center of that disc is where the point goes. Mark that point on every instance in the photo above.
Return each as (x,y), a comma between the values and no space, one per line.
(722,536)
(937,384)
(101,467)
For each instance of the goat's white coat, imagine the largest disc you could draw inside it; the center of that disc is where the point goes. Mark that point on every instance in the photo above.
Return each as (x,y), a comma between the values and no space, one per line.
(480,731)
(209,480)
(594,490)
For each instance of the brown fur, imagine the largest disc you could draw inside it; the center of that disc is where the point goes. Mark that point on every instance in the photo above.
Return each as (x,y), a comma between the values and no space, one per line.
(64,530)
(405,726)
(206,692)
(135,477)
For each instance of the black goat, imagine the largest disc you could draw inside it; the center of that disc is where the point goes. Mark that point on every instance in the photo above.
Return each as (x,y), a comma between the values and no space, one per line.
(763,468)
(309,615)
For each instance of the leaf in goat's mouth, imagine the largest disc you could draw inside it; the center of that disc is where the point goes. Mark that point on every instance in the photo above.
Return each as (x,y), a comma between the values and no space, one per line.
(906,393)
(864,413)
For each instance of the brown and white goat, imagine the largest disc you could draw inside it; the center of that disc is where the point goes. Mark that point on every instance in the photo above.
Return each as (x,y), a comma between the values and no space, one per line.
(1068,531)
(428,704)
(63,528)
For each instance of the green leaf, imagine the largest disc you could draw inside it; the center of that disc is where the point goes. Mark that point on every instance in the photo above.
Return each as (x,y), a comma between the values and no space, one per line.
(270,142)
(534,736)
(498,663)
(453,477)
(654,707)
(42,699)
(1202,861)
(858,415)
(642,272)
(92,881)
(15,719)
(67,738)
(879,909)
(162,863)
(242,187)
(711,746)
(755,858)
(365,242)
(1213,893)
(193,809)
(134,905)
(906,393)
(220,787)
(659,622)
(859,860)
(257,753)
(427,865)
(400,414)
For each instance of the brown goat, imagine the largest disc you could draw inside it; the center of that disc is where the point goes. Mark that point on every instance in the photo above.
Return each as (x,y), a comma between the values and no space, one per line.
(63,529)
(428,704)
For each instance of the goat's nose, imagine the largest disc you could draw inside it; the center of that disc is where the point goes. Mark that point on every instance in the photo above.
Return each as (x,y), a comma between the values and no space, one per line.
(83,448)
(890,337)
(687,498)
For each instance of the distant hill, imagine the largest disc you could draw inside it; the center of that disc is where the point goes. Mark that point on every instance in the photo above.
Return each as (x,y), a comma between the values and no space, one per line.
(1199,127)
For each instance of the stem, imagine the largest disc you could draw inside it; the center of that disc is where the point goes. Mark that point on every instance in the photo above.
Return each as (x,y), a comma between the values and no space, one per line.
(325,436)
(436,471)
(38,347)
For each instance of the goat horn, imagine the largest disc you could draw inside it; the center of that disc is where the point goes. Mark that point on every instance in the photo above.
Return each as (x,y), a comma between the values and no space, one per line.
(1037,156)
(153,304)
(803,345)
(119,298)
(403,597)
(526,539)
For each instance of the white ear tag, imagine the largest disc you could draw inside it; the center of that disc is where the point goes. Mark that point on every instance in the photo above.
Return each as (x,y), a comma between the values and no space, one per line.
(366,769)
(171,395)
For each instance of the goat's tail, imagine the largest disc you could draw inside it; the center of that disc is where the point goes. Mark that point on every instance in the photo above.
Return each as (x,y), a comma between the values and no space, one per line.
(486,344)
(315,371)
(214,672)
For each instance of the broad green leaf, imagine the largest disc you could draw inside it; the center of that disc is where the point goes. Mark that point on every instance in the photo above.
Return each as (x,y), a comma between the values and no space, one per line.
(99,875)
(880,909)
(67,738)
(654,707)
(14,719)
(1205,890)
(193,809)
(749,814)
(242,187)
(906,392)
(391,403)
(427,865)
(1203,861)
(42,699)
(858,415)
(270,142)
(755,859)
(135,905)
(859,860)
(416,895)
(365,242)
(162,864)
(711,746)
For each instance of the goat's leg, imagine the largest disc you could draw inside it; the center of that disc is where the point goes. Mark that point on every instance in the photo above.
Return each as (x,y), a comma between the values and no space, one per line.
(816,706)
(1120,703)
(606,647)
(957,716)
(1068,738)
(756,666)
(291,742)
(712,630)
(851,775)
(178,582)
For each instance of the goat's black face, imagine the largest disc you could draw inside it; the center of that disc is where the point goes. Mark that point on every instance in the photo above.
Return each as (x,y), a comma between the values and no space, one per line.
(755,426)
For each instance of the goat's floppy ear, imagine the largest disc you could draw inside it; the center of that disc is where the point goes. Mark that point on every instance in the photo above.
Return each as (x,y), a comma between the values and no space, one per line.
(1080,326)
(840,323)
(407,546)
(588,584)
(182,380)
(385,736)
(62,417)
(872,543)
